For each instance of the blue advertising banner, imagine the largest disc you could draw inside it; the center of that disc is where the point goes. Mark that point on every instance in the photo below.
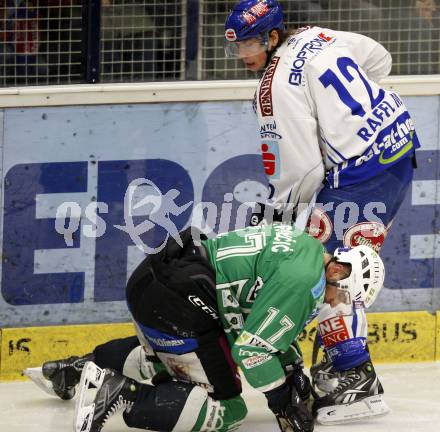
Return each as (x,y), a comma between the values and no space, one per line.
(89,190)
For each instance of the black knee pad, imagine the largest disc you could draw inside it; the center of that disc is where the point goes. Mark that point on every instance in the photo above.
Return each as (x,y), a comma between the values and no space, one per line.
(162,407)
(112,354)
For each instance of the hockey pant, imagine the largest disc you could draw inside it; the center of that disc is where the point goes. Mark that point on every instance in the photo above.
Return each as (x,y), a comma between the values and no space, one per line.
(350,216)
(185,403)
(172,298)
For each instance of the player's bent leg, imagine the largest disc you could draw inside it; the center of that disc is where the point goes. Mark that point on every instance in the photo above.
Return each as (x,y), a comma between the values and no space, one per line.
(128,357)
(359,393)
(221,415)
(169,406)
(112,354)
(184,407)
(343,333)
(60,377)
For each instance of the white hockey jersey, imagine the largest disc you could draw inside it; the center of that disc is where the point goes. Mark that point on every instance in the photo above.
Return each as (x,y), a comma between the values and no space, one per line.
(323,117)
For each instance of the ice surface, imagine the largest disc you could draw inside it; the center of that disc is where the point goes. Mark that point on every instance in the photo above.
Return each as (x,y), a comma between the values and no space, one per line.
(412,392)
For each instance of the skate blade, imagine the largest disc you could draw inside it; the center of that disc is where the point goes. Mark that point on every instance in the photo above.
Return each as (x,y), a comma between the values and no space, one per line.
(91,378)
(36,376)
(373,406)
(284,425)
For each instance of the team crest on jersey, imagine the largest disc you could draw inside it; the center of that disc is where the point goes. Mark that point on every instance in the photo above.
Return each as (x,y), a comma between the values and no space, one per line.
(320,225)
(265,91)
(229,300)
(370,234)
(235,320)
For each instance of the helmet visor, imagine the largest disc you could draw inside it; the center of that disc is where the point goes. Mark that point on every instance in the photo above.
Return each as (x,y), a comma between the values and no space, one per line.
(246,48)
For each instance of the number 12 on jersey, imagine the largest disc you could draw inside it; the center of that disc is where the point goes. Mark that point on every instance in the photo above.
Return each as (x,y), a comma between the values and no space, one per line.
(344,64)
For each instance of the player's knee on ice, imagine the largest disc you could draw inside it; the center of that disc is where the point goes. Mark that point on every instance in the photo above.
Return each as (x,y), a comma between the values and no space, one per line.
(182,407)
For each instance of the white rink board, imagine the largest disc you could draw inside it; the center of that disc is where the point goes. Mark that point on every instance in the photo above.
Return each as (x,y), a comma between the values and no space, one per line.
(412,392)
(57,153)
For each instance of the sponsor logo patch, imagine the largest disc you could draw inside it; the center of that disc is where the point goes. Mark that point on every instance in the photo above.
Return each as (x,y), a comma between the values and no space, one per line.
(370,234)
(333,331)
(320,225)
(255,361)
(307,51)
(257,11)
(196,301)
(244,338)
(269,130)
(392,146)
(265,91)
(230,35)
(400,148)
(246,353)
(318,289)
(271,159)
(248,339)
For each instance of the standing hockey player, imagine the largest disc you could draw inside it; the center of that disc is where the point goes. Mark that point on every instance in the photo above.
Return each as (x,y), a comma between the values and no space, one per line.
(241,299)
(327,127)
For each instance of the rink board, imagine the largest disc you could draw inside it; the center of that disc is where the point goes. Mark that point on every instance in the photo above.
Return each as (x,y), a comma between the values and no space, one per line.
(55,266)
(30,346)
(393,337)
(437,350)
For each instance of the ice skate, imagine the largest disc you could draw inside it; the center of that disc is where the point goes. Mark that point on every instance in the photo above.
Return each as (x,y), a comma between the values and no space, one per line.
(324,377)
(358,395)
(59,377)
(112,393)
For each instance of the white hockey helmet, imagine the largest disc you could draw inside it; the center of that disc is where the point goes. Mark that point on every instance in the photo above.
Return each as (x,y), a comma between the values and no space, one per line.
(366,276)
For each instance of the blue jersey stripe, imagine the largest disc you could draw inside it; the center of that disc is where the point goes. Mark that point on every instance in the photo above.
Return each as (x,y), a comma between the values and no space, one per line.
(331,159)
(355,323)
(336,151)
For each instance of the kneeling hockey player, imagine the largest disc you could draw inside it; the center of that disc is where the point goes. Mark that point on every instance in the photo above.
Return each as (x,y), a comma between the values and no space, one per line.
(200,311)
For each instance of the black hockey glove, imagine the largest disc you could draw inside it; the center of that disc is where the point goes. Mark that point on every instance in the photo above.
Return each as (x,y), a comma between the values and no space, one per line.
(295,376)
(290,410)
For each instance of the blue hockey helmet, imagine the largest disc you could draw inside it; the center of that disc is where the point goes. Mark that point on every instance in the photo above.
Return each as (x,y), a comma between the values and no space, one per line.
(252,18)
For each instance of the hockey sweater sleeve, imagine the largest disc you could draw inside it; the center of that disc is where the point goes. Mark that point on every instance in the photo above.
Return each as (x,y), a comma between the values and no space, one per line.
(279,314)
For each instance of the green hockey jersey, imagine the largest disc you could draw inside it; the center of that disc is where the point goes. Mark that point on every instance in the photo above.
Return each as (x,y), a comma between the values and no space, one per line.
(270,282)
